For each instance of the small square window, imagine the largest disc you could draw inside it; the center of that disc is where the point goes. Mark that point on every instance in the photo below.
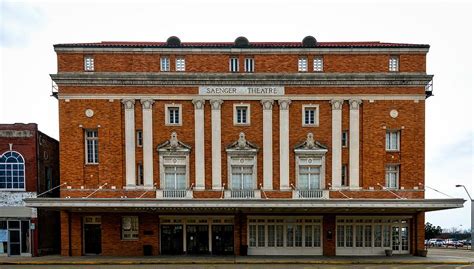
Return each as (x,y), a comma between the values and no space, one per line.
(249,65)
(310,115)
(392,176)
(318,64)
(89,63)
(344,179)
(173,114)
(130,228)
(241,114)
(165,64)
(234,64)
(302,64)
(392,140)
(139,138)
(180,64)
(393,64)
(345,139)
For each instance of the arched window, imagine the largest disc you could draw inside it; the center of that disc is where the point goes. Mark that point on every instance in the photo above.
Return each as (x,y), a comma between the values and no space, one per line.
(12,171)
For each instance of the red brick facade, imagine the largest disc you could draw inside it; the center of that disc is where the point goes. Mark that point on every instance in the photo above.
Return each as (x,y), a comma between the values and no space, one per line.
(378,97)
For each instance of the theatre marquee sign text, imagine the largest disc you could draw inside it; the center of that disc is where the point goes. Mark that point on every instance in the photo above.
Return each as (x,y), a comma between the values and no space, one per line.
(231,91)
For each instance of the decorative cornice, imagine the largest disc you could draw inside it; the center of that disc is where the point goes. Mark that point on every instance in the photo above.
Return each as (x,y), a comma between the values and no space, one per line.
(199,103)
(284,104)
(355,103)
(147,103)
(336,104)
(253,79)
(128,103)
(216,104)
(267,104)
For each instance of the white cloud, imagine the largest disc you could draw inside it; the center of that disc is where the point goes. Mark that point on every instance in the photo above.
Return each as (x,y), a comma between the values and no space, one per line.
(27,56)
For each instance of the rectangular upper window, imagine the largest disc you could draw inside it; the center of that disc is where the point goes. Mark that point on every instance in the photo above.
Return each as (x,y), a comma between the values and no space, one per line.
(392,140)
(392,176)
(241,114)
(180,64)
(89,63)
(139,174)
(175,177)
(302,64)
(393,64)
(234,64)
(173,114)
(344,179)
(249,65)
(345,139)
(129,227)
(318,64)
(165,64)
(92,146)
(139,138)
(310,115)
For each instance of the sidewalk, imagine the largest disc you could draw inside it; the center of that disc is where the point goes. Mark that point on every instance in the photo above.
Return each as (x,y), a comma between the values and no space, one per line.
(107,260)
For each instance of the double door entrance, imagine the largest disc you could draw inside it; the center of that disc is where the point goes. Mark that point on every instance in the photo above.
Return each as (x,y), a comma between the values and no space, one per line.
(197,239)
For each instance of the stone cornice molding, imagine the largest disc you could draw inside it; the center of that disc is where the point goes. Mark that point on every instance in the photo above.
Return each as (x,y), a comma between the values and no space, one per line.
(216,104)
(355,103)
(147,103)
(199,103)
(254,79)
(128,103)
(267,104)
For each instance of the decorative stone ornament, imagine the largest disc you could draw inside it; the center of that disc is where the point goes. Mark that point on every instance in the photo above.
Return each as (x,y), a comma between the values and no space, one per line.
(216,104)
(128,103)
(147,103)
(336,104)
(267,104)
(393,113)
(284,104)
(355,103)
(174,140)
(199,103)
(310,140)
(89,113)
(242,142)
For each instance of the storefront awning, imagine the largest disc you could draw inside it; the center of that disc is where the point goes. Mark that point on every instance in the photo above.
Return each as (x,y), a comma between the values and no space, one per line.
(244,206)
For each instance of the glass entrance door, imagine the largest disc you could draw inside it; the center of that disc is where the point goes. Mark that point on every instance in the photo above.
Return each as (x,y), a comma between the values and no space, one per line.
(222,239)
(400,238)
(172,239)
(197,239)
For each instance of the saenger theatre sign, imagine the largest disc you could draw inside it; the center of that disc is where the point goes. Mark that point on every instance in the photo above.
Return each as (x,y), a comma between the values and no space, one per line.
(235,91)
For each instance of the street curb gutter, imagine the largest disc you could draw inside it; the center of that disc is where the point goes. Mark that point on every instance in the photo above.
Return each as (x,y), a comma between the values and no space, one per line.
(228,262)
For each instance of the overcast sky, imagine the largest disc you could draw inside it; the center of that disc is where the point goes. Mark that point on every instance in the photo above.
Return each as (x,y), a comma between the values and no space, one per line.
(30,28)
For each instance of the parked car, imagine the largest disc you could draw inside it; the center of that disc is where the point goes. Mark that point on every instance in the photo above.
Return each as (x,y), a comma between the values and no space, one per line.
(436,242)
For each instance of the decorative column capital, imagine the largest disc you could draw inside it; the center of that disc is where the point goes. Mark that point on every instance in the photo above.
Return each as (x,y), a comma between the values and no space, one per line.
(355,103)
(216,104)
(147,103)
(336,104)
(199,103)
(267,104)
(284,104)
(128,103)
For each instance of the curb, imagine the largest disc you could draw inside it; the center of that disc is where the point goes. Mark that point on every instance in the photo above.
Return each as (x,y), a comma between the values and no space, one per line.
(228,262)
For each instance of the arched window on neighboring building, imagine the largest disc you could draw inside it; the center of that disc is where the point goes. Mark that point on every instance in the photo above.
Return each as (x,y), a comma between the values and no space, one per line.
(12,171)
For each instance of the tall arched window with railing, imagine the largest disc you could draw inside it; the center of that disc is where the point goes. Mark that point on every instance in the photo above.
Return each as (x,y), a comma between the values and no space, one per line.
(12,171)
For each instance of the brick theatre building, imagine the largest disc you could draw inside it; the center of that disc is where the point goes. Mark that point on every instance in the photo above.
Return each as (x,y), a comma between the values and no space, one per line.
(245,148)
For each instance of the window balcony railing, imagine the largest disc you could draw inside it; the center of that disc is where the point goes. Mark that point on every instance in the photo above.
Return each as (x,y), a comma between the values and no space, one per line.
(310,194)
(242,194)
(174,194)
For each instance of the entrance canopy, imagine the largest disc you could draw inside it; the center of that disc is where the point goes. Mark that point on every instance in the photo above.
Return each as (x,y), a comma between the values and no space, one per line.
(244,206)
